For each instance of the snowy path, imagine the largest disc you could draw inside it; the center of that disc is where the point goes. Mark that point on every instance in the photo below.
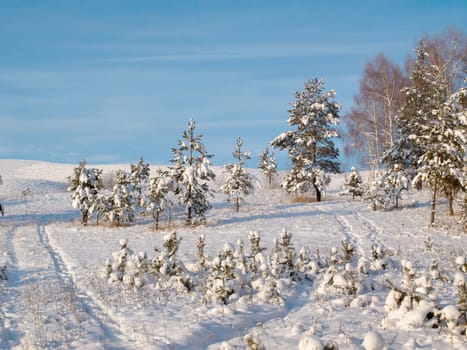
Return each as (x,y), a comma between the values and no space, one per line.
(39,288)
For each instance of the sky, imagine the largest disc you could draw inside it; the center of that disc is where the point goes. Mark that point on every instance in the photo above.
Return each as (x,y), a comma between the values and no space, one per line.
(113,81)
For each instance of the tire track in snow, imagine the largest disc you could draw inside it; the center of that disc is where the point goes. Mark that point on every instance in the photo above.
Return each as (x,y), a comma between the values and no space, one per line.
(40,304)
(10,332)
(346,229)
(109,329)
(357,230)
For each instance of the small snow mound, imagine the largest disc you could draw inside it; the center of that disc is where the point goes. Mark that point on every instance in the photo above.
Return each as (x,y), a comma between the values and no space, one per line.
(310,342)
(411,344)
(373,341)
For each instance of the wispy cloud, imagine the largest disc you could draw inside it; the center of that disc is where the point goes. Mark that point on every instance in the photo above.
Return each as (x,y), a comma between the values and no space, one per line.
(261,51)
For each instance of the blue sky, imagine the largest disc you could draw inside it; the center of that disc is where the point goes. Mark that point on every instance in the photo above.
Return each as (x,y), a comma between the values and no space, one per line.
(111,81)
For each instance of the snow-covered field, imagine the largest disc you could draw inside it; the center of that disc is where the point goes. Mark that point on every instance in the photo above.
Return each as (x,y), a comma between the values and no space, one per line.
(55,295)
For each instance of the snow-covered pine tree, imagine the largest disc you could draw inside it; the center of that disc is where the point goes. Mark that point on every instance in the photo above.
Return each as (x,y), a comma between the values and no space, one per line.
(139,176)
(84,184)
(438,130)
(419,102)
(456,108)
(353,184)
(192,174)
(121,203)
(238,183)
(314,116)
(268,165)
(158,199)
(394,181)
(100,205)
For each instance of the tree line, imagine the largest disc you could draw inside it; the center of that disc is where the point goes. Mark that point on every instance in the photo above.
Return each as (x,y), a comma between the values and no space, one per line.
(416,118)
(186,182)
(408,124)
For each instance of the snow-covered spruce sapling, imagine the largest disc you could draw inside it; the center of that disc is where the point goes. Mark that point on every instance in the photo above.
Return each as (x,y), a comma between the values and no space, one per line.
(461,263)
(374,193)
(386,191)
(348,251)
(116,266)
(353,184)
(121,202)
(412,304)
(238,183)
(139,176)
(167,265)
(395,182)
(192,174)
(255,249)
(340,277)
(340,280)
(202,258)
(100,206)
(460,282)
(283,256)
(84,184)
(158,197)
(221,284)
(268,165)
(438,127)
(454,317)
(314,118)
(253,342)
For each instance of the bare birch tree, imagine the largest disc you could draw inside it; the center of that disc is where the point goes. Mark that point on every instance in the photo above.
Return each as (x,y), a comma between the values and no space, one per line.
(371,121)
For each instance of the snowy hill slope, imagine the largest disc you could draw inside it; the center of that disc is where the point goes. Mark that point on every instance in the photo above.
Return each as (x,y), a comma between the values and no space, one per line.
(56,297)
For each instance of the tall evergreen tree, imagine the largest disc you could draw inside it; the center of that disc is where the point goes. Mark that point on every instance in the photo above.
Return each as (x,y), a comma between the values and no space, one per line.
(268,165)
(432,131)
(84,184)
(192,174)
(239,183)
(314,117)
(421,97)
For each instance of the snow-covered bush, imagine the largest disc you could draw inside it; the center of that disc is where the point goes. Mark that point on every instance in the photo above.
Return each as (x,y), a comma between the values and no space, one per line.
(411,305)
(135,270)
(119,267)
(263,278)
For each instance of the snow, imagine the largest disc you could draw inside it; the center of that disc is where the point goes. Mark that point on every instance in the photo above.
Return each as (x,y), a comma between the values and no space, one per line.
(57,295)
(373,341)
